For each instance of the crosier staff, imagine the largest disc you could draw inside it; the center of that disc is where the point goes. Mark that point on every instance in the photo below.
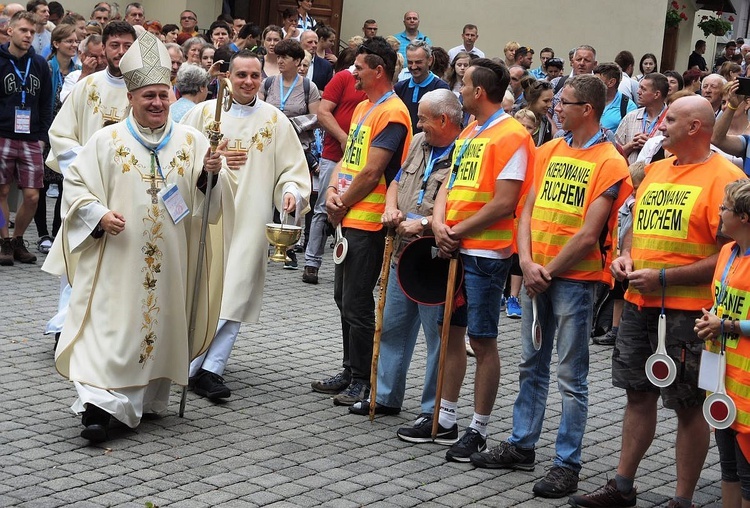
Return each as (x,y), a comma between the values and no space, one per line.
(223,102)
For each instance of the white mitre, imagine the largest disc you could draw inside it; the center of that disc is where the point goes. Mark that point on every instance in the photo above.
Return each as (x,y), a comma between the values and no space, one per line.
(146,63)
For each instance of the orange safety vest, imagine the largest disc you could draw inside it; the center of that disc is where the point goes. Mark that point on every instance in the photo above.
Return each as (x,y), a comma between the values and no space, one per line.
(474,185)
(736,305)
(567,180)
(366,214)
(675,223)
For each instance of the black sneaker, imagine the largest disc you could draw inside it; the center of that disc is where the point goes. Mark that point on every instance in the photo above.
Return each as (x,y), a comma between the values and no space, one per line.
(605,496)
(355,392)
(505,456)
(471,442)
(209,385)
(559,482)
(332,385)
(421,432)
(608,339)
(362,408)
(292,264)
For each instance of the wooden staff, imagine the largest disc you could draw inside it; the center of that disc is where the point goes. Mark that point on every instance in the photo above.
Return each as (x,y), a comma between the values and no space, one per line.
(223,102)
(444,336)
(385,271)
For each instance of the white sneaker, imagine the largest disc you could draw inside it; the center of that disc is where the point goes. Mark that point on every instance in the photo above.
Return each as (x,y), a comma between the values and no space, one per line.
(53,191)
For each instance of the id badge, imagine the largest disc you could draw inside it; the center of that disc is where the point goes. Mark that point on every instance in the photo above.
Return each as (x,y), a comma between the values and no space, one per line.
(708,376)
(172,199)
(23,121)
(344,182)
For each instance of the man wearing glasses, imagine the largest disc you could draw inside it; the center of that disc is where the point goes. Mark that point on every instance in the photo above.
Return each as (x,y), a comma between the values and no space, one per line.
(377,145)
(189,22)
(580,181)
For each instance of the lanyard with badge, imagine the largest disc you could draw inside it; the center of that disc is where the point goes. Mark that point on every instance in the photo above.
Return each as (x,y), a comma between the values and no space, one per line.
(345,180)
(284,98)
(429,167)
(23,115)
(598,137)
(170,194)
(497,114)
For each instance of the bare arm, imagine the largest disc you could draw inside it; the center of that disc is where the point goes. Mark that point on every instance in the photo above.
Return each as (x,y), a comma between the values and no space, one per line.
(731,144)
(329,123)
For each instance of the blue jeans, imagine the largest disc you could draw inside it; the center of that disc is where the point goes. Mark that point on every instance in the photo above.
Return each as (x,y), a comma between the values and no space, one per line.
(401,319)
(567,307)
(316,242)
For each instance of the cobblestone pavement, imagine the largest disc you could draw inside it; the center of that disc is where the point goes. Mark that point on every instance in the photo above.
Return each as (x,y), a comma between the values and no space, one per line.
(275,442)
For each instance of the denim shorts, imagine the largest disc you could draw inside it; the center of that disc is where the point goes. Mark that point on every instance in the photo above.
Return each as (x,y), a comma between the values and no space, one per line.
(484,281)
(637,340)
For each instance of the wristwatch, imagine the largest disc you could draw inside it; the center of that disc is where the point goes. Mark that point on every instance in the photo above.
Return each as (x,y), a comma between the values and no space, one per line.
(424,222)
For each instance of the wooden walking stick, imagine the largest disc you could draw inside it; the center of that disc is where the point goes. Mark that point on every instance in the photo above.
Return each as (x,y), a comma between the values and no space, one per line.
(444,336)
(223,102)
(385,272)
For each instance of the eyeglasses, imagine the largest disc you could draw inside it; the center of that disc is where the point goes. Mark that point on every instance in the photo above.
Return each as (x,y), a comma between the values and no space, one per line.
(571,103)
(93,23)
(190,18)
(723,208)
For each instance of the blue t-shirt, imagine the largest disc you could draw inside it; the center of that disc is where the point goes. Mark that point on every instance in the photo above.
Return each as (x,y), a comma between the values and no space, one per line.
(611,117)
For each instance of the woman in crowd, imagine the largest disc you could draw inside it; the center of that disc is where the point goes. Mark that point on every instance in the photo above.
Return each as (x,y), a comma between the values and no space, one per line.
(191,50)
(170,33)
(326,43)
(732,323)
(440,62)
(730,71)
(510,53)
(675,81)
(192,84)
(64,48)
(538,95)
(290,30)
(219,32)
(692,80)
(456,71)
(647,65)
(304,65)
(207,56)
(272,35)
(154,27)
(286,91)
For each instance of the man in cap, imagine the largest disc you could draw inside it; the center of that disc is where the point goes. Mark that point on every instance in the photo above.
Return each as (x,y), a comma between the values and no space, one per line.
(259,137)
(132,212)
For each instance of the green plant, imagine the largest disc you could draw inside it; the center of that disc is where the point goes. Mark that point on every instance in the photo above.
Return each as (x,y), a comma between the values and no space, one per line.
(715,25)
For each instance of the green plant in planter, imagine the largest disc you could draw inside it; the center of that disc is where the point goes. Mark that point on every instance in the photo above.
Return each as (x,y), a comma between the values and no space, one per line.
(715,25)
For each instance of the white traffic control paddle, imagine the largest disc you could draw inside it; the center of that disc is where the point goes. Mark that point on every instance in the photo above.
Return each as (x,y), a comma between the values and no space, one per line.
(536,328)
(660,367)
(341,247)
(718,408)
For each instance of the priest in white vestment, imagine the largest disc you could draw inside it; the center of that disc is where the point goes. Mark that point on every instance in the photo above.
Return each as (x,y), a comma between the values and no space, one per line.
(265,153)
(132,211)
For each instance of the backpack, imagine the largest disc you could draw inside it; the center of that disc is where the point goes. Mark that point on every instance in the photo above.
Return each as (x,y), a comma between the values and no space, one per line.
(624,105)
(305,86)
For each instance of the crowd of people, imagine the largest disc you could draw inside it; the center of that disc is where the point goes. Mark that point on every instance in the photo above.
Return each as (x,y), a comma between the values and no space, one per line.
(551,186)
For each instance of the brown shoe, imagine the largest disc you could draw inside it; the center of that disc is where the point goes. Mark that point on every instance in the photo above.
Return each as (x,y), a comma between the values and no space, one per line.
(20,252)
(310,275)
(6,252)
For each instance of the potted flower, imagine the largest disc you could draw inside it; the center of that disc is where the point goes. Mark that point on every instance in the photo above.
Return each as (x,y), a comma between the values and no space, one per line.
(674,15)
(715,25)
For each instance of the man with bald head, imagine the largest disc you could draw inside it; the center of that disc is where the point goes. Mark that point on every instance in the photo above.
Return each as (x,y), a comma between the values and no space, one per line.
(11,9)
(411,32)
(321,70)
(668,258)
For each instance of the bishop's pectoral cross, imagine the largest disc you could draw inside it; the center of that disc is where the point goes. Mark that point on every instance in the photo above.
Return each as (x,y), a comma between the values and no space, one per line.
(154,189)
